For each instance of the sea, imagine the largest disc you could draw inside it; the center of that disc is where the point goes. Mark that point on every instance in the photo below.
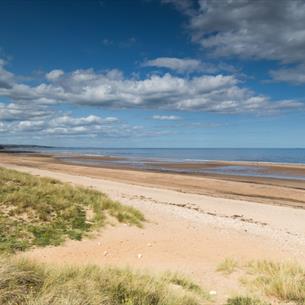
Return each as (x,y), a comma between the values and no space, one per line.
(274,155)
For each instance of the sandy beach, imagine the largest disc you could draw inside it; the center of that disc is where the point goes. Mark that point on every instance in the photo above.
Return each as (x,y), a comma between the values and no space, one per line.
(193,223)
(286,192)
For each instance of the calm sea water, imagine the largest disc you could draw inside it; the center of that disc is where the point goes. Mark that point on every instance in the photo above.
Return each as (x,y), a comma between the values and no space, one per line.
(277,155)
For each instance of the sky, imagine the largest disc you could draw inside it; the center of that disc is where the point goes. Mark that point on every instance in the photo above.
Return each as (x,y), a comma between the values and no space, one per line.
(153,73)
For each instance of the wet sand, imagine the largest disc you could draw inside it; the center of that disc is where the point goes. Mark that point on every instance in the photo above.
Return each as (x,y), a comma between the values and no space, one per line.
(257,189)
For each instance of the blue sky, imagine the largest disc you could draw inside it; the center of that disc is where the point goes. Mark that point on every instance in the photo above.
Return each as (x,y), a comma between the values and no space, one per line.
(153,73)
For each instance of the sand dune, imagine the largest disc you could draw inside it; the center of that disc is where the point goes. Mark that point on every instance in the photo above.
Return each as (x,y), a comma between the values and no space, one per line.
(185,232)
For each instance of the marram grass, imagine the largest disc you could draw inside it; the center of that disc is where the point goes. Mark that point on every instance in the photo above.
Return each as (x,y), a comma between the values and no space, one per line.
(23,282)
(228,266)
(37,211)
(284,281)
(241,300)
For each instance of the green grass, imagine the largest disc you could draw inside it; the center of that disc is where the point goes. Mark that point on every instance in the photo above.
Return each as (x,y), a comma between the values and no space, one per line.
(283,281)
(245,301)
(182,281)
(23,282)
(228,266)
(37,211)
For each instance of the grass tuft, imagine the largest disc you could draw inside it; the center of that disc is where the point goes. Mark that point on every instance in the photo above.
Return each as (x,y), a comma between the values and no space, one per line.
(182,281)
(37,211)
(240,300)
(228,266)
(24,282)
(284,281)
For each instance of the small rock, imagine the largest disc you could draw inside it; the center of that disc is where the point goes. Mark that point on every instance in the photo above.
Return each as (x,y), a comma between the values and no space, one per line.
(140,255)
(212,292)
(105,253)
(99,243)
(149,245)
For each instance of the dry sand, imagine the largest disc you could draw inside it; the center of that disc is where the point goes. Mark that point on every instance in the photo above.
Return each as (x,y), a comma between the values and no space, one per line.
(186,231)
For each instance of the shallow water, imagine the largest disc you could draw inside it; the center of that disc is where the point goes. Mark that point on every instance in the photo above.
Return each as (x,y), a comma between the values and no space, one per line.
(280,155)
(148,158)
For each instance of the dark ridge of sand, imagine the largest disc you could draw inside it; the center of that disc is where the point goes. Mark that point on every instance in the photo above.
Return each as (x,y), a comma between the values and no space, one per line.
(272,172)
(69,158)
(256,189)
(180,168)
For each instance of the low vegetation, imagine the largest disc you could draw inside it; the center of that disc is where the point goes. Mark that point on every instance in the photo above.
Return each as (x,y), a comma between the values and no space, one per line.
(228,266)
(27,283)
(245,301)
(283,281)
(37,211)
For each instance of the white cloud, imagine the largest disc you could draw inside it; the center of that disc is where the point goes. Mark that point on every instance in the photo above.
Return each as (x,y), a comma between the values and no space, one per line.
(54,74)
(71,121)
(67,120)
(176,64)
(272,29)
(166,117)
(295,75)
(29,126)
(188,65)
(6,78)
(213,93)
(21,111)
(62,124)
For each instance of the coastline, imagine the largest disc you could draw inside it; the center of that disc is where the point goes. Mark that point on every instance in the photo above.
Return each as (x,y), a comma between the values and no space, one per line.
(185,231)
(256,189)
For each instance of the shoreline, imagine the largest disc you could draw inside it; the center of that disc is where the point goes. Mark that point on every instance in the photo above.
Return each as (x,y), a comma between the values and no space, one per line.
(155,159)
(209,168)
(257,189)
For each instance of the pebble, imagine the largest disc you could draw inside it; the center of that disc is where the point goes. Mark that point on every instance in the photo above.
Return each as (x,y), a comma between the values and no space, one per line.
(212,292)
(140,255)
(105,253)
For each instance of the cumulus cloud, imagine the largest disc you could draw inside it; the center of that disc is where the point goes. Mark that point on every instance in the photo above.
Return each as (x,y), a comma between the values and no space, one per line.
(177,64)
(54,74)
(272,30)
(68,120)
(213,93)
(62,124)
(28,126)
(295,75)
(6,78)
(264,30)
(188,65)
(21,111)
(166,117)
(66,125)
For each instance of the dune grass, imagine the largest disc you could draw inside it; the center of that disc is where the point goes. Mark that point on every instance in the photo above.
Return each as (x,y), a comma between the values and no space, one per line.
(240,300)
(228,266)
(283,281)
(37,211)
(23,282)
